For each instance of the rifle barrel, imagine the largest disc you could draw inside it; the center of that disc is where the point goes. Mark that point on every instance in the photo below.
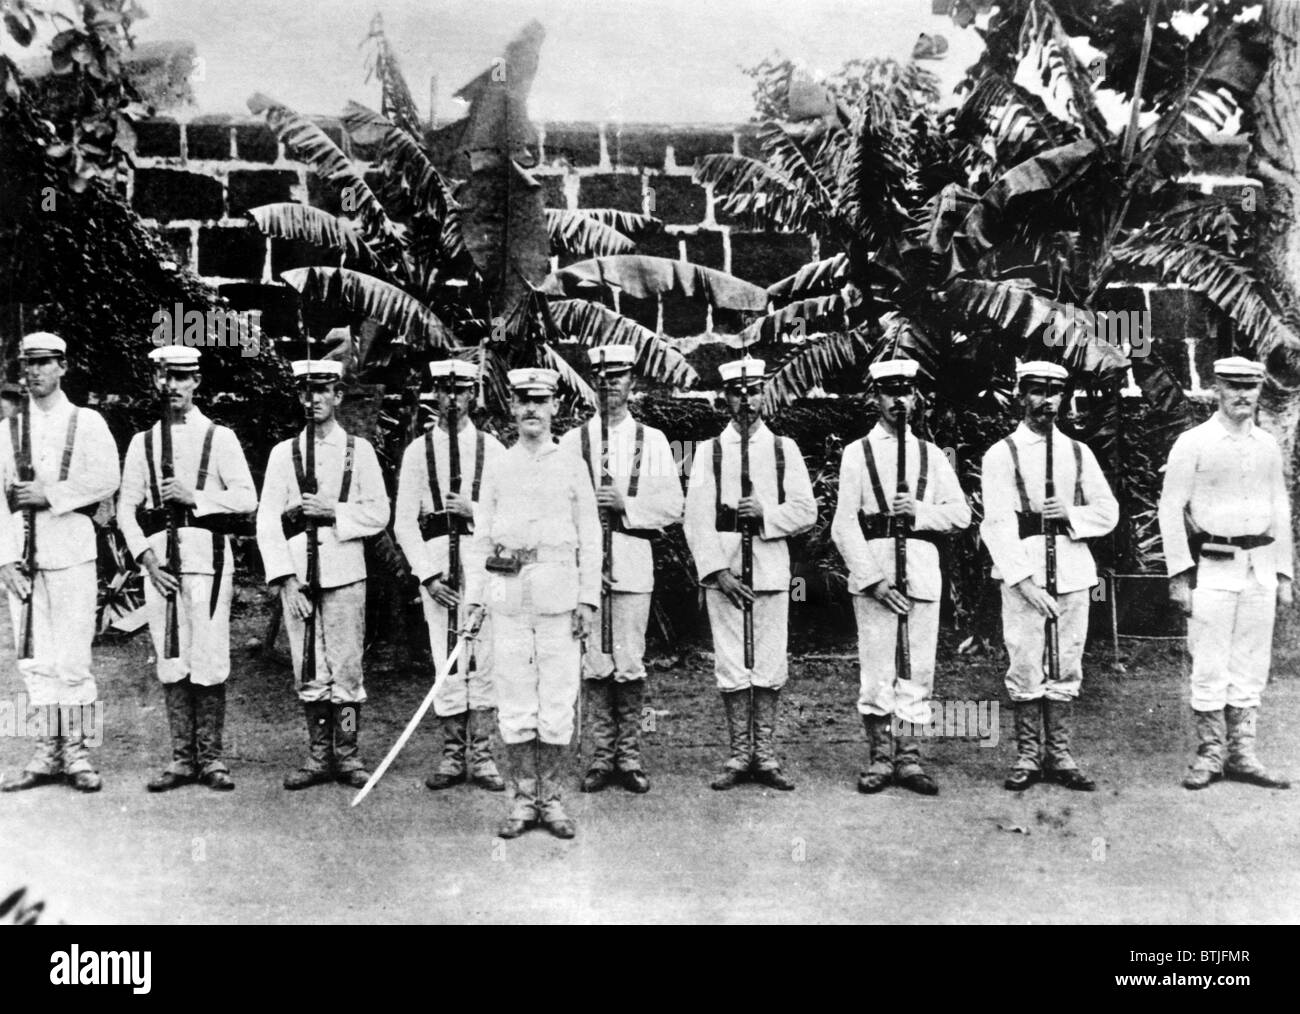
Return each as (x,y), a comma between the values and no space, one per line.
(453,532)
(606,528)
(904,645)
(171,620)
(746,534)
(1051,629)
(26,473)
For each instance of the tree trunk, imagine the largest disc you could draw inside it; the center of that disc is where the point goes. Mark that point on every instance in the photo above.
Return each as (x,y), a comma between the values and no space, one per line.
(1277,163)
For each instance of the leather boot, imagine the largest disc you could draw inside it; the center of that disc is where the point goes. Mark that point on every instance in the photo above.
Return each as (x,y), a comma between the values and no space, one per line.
(179,701)
(550,761)
(1243,765)
(908,771)
(521,774)
(82,775)
(1029,747)
(482,768)
(767,766)
(347,757)
(316,770)
(735,703)
(599,718)
(628,698)
(209,728)
(1061,767)
(44,768)
(880,750)
(455,740)
(1208,765)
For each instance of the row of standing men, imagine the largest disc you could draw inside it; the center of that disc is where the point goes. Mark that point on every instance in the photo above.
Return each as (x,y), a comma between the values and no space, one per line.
(534,579)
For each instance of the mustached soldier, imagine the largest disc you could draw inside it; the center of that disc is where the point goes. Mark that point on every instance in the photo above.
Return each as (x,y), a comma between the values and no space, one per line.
(74,462)
(426,509)
(934,505)
(780,505)
(1226,525)
(642,497)
(213,487)
(538,534)
(350,504)
(1015,508)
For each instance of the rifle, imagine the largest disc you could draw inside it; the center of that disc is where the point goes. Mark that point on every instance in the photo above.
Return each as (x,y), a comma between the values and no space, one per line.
(27,473)
(1051,630)
(746,531)
(313,547)
(453,530)
(903,651)
(606,523)
(171,622)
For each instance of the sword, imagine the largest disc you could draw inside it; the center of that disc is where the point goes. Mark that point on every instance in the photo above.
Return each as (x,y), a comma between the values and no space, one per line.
(466,635)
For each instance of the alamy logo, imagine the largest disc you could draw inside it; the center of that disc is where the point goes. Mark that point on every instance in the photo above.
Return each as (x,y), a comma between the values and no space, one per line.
(102,968)
(1126,331)
(956,720)
(220,329)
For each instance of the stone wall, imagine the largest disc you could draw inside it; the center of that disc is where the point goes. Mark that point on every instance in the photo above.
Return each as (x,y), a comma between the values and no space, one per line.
(195,180)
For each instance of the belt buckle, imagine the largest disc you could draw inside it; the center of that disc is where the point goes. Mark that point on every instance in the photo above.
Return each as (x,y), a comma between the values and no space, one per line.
(1218,551)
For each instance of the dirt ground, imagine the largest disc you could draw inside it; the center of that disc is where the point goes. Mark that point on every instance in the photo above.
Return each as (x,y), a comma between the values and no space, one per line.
(1139,850)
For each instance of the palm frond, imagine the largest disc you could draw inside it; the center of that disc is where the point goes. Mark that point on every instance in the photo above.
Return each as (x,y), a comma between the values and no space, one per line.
(578,234)
(1228,285)
(644,277)
(302,222)
(418,180)
(594,324)
(796,320)
(751,189)
(818,278)
(314,146)
(405,316)
(629,223)
(396,103)
(812,364)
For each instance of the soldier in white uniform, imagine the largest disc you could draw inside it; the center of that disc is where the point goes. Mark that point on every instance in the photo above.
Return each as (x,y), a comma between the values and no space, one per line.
(75,467)
(463,700)
(1226,525)
(350,504)
(780,505)
(933,504)
(1015,508)
(213,489)
(538,534)
(643,497)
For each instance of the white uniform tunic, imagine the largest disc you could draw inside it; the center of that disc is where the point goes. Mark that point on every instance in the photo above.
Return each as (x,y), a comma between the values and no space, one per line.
(204,625)
(340,625)
(64,589)
(469,684)
(1226,485)
(657,504)
(783,516)
(539,503)
(1092,513)
(941,507)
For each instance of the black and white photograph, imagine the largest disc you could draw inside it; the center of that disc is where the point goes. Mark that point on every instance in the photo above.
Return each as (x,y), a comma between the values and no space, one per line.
(609,462)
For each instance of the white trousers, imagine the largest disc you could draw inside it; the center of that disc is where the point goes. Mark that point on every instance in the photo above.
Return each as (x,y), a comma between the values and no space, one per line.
(63,627)
(205,635)
(1024,632)
(537,661)
(466,686)
(631,613)
(771,621)
(340,638)
(881,691)
(1230,636)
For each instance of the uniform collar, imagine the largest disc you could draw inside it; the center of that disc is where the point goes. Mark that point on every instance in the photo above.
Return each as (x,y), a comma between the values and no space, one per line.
(336,437)
(731,435)
(626,421)
(1224,433)
(1024,435)
(879,432)
(58,404)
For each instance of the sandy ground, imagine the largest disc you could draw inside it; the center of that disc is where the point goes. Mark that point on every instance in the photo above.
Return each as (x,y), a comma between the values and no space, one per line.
(1141,849)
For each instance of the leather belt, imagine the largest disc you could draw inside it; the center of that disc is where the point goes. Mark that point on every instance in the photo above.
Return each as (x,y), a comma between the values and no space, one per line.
(885,526)
(437,524)
(1031,523)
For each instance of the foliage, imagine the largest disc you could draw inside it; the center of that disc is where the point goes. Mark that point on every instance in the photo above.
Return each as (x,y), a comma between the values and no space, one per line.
(88,102)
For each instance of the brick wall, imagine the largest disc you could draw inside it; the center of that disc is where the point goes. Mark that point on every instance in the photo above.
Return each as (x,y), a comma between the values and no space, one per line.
(197,179)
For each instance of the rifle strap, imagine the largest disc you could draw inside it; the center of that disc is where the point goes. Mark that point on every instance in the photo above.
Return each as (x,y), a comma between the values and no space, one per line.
(634,482)
(349,455)
(431,466)
(778,447)
(479,450)
(68,442)
(1077,447)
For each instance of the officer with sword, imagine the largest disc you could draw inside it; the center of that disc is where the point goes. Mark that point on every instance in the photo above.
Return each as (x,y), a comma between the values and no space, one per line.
(1037,541)
(895,491)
